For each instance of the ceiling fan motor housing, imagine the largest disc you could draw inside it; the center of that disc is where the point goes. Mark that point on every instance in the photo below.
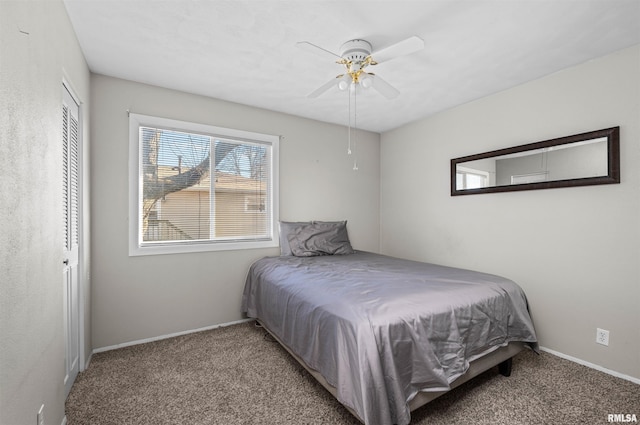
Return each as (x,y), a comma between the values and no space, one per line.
(356,50)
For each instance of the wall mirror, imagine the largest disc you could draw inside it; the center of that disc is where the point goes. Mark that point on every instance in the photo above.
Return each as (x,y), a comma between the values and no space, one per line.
(579,160)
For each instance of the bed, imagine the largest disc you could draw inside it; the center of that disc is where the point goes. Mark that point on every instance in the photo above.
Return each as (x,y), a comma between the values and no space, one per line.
(384,335)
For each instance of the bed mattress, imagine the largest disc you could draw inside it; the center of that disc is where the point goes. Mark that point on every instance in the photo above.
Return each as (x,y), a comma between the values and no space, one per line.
(380,329)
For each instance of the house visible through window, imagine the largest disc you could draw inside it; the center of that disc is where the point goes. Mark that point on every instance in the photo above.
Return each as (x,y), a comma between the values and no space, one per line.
(254,204)
(201,187)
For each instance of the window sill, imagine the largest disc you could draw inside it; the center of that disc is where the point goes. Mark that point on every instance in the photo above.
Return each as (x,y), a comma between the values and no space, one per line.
(160,249)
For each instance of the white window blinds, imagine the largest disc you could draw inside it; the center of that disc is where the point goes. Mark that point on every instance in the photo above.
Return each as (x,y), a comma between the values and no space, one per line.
(200,188)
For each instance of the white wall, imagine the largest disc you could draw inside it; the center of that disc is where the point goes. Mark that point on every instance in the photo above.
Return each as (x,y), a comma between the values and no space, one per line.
(37,50)
(144,297)
(575,251)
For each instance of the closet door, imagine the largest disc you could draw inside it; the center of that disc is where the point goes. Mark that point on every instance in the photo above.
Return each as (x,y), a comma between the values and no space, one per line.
(70,269)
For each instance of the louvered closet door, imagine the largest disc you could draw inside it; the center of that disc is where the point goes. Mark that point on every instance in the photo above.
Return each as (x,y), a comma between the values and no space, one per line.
(70,269)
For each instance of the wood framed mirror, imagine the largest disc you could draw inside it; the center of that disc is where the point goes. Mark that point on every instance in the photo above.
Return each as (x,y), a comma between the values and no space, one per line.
(584,159)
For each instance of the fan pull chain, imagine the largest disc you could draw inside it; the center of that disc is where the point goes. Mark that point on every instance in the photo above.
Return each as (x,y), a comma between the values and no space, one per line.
(355,124)
(349,125)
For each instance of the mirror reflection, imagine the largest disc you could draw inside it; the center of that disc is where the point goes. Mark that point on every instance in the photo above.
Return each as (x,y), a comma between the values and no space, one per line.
(589,158)
(570,161)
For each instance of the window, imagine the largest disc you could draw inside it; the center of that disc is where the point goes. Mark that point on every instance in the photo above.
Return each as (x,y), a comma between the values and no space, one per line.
(542,176)
(196,187)
(469,178)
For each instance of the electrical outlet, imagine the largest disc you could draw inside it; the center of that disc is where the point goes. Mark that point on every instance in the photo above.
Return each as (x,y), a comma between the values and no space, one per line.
(41,415)
(602,336)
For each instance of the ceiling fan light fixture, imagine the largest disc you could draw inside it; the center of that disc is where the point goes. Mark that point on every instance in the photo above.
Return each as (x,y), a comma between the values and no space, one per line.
(365,80)
(344,82)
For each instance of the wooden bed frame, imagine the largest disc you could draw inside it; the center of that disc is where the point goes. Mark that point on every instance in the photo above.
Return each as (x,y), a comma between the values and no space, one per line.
(502,357)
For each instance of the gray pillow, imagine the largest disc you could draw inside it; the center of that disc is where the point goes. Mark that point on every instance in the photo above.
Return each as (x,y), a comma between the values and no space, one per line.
(320,238)
(286,228)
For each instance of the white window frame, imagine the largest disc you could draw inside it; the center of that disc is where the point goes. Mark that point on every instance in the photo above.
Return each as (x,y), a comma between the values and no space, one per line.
(135,187)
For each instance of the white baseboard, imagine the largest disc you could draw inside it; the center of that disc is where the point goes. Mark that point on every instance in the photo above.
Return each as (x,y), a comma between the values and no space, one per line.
(207,328)
(64,420)
(87,361)
(161,337)
(592,366)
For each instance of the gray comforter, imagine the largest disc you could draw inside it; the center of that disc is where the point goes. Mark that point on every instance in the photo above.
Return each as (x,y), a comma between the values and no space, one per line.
(380,329)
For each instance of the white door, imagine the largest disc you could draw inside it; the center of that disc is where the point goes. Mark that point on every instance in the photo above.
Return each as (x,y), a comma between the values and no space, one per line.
(70,269)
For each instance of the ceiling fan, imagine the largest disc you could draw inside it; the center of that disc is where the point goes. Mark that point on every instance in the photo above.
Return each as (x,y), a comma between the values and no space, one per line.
(356,55)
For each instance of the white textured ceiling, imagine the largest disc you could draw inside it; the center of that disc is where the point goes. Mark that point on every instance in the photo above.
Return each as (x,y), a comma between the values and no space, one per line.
(245,51)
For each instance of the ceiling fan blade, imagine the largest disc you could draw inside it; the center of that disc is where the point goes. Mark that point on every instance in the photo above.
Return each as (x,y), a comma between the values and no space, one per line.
(401,48)
(323,88)
(310,47)
(385,89)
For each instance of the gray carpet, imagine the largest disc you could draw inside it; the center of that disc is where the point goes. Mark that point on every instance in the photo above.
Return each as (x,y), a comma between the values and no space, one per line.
(238,375)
